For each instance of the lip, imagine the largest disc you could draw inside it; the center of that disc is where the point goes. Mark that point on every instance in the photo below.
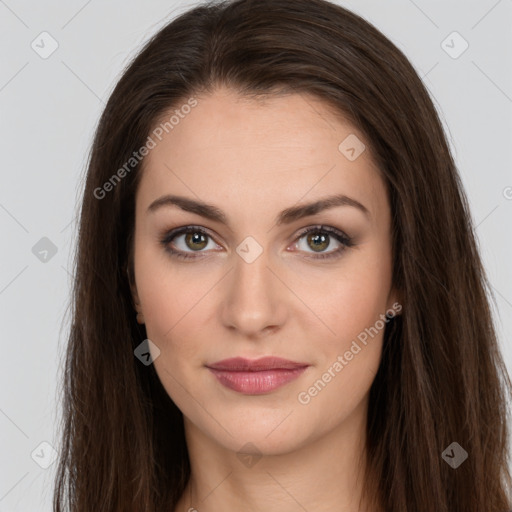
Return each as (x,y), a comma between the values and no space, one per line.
(240,364)
(255,377)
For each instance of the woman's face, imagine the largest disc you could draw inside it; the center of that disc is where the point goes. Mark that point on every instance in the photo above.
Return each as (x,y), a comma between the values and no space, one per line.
(254,284)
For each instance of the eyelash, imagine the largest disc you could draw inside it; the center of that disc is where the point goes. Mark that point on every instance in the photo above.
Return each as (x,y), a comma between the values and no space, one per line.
(338,235)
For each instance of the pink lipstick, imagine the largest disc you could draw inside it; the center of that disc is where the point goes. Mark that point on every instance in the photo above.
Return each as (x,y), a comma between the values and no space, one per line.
(258,376)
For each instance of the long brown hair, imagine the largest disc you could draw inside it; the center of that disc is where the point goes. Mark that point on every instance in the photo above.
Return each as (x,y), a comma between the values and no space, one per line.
(442,378)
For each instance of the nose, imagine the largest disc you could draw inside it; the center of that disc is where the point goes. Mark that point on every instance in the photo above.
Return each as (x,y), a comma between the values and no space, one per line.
(255,299)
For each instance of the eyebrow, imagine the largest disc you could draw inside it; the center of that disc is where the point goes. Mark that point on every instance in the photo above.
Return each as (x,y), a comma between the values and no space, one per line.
(287,216)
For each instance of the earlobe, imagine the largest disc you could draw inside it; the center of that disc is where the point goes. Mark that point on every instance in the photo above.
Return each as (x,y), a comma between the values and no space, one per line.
(140,318)
(135,298)
(138,307)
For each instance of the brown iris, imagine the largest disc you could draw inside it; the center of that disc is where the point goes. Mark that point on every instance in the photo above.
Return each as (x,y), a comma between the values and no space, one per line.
(196,238)
(320,242)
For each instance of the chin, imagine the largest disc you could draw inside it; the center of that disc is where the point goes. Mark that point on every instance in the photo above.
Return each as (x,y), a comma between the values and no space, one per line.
(266,436)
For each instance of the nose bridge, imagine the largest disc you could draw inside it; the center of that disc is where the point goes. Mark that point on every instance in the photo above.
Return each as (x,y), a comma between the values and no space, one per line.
(254,300)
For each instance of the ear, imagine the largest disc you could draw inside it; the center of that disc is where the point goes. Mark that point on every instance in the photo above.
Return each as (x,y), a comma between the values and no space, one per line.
(134,294)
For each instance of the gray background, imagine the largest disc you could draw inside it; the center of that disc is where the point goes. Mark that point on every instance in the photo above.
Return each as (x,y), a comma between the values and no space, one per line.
(50,106)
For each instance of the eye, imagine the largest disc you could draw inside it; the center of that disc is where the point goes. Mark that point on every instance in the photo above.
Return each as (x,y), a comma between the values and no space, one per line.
(319,238)
(196,238)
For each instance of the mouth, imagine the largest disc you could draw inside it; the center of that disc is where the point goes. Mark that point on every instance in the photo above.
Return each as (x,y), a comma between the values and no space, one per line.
(258,376)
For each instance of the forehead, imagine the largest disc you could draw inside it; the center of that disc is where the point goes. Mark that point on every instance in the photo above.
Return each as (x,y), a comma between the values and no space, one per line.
(261,152)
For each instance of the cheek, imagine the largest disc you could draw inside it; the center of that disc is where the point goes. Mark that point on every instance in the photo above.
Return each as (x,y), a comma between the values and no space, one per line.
(176,303)
(349,299)
(171,313)
(349,359)
(354,309)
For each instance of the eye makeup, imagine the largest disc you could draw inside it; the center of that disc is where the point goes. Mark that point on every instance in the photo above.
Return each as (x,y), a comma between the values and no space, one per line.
(322,231)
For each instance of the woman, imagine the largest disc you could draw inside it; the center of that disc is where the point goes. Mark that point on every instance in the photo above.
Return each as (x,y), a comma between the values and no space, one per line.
(279,303)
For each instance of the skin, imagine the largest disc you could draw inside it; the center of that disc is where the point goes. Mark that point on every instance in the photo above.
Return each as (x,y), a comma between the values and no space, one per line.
(253,159)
